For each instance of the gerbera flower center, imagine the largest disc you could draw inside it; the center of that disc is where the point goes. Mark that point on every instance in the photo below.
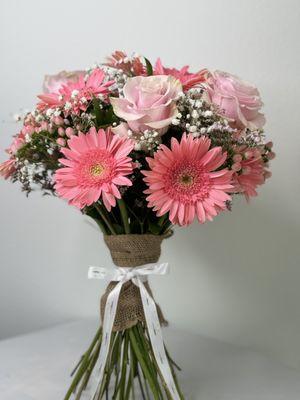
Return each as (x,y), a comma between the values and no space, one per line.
(186,179)
(95,168)
(188,182)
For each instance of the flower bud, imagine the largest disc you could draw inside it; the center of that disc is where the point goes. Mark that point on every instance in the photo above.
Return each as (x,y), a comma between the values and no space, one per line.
(256,153)
(58,120)
(268,174)
(237,158)
(61,131)
(44,126)
(70,132)
(246,170)
(271,155)
(61,142)
(236,167)
(269,145)
(248,154)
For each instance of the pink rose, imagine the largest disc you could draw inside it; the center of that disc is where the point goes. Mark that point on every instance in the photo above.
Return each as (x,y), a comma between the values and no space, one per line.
(149,102)
(52,83)
(238,100)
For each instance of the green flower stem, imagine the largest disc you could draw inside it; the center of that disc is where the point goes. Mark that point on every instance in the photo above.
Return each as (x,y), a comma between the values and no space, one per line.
(176,383)
(161,220)
(101,226)
(171,360)
(107,370)
(77,366)
(84,364)
(146,387)
(141,385)
(140,356)
(133,371)
(130,362)
(166,227)
(140,334)
(124,367)
(114,351)
(89,370)
(124,215)
(117,366)
(159,373)
(141,223)
(105,219)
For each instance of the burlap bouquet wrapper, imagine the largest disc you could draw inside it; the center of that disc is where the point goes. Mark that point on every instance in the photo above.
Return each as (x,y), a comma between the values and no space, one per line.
(131,251)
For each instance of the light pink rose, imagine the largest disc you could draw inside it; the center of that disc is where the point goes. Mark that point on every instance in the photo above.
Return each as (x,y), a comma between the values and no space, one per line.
(238,100)
(149,102)
(52,83)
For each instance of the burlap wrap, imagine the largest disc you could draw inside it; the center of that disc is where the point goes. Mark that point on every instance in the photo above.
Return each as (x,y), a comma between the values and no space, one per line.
(131,251)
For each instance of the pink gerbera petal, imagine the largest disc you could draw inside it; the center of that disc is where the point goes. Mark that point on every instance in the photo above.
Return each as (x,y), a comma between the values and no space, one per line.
(187,78)
(182,180)
(93,169)
(77,92)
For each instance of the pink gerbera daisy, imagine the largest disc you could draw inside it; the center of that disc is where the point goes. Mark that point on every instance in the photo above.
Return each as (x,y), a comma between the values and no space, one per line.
(95,164)
(76,94)
(187,78)
(183,180)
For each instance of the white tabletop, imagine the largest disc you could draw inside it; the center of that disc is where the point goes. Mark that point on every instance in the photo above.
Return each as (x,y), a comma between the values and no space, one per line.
(36,366)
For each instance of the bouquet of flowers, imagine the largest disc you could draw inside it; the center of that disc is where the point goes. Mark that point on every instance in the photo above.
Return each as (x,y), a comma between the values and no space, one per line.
(139,148)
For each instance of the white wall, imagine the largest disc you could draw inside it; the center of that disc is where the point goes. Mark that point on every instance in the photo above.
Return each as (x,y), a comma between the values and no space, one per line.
(236,279)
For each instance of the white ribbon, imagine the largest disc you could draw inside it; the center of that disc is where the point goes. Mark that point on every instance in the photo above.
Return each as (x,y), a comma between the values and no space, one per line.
(137,275)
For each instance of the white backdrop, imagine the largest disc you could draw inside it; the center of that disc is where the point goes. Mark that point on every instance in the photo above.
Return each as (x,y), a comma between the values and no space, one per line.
(236,279)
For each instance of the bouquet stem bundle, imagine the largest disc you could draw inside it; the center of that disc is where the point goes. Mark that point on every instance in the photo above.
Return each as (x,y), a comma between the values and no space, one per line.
(131,371)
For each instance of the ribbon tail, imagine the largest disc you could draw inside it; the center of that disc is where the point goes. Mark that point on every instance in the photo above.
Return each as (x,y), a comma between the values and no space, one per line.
(156,338)
(107,326)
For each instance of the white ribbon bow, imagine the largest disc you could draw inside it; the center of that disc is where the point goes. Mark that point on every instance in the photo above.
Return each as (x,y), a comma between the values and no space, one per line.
(137,275)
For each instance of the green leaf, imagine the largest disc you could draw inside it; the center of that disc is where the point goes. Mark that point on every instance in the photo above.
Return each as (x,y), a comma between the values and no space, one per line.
(162,220)
(97,110)
(118,228)
(149,67)
(135,226)
(110,116)
(104,116)
(124,215)
(154,228)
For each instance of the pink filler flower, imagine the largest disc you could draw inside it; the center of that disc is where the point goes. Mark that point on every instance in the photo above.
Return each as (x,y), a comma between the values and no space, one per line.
(7,168)
(183,181)
(95,164)
(249,171)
